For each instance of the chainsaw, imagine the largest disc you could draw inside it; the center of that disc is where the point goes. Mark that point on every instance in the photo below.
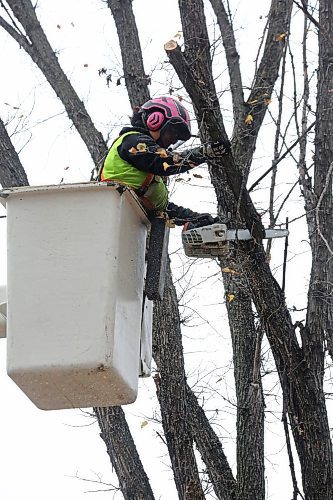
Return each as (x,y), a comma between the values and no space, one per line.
(213,241)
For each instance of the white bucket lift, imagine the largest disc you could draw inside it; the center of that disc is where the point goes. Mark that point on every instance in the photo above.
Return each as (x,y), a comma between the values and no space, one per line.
(3,311)
(76,267)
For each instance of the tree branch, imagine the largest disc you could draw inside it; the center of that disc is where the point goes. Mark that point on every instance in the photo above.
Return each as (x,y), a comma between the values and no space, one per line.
(264,81)
(171,393)
(328,183)
(135,78)
(304,8)
(210,119)
(123,454)
(232,57)
(42,54)
(12,172)
(282,157)
(211,450)
(18,37)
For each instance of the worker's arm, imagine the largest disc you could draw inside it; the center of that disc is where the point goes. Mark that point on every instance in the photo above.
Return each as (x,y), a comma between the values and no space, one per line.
(206,152)
(141,151)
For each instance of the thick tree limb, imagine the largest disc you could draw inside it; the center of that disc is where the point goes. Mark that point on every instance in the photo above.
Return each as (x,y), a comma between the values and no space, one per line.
(264,81)
(12,172)
(171,393)
(210,120)
(320,303)
(320,297)
(211,450)
(36,44)
(135,78)
(250,402)
(250,415)
(182,417)
(302,388)
(124,457)
(232,56)
(167,344)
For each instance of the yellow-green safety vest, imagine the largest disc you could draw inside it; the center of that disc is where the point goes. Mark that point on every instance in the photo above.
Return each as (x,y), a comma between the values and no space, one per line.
(117,169)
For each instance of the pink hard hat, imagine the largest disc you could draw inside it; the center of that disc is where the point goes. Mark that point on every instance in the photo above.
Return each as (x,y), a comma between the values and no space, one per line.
(164,112)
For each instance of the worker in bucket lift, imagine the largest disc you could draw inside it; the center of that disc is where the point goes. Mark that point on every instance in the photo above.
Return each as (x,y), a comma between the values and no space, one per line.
(140,158)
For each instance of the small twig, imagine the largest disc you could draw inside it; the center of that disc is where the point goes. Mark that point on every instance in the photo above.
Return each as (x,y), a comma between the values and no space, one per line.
(255,184)
(296,491)
(257,358)
(284,201)
(327,181)
(111,487)
(285,258)
(304,8)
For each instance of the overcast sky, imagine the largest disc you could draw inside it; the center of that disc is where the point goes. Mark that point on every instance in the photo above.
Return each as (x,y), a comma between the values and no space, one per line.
(42,451)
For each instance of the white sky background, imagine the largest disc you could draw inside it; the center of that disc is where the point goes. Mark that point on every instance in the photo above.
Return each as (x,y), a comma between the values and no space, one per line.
(39,450)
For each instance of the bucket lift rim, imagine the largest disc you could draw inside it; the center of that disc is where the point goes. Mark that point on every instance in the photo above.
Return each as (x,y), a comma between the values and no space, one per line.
(91,185)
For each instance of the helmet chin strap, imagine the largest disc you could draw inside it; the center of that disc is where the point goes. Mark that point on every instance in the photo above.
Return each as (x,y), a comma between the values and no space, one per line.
(155,135)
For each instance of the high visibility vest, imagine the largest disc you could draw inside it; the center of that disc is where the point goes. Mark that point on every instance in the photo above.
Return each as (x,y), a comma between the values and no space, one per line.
(155,195)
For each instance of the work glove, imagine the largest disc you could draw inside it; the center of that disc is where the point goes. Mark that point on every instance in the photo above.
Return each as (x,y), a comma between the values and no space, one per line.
(217,149)
(181,215)
(200,221)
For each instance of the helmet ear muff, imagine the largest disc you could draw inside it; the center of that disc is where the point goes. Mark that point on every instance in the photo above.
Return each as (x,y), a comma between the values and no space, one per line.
(154,120)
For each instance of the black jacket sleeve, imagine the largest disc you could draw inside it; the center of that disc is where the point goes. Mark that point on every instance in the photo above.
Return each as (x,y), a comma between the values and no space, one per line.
(141,151)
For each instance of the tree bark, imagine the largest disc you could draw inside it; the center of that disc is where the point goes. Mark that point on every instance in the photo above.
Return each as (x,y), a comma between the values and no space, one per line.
(264,80)
(12,172)
(246,340)
(300,368)
(135,78)
(211,450)
(303,393)
(123,454)
(170,382)
(318,480)
(115,430)
(171,393)
(250,408)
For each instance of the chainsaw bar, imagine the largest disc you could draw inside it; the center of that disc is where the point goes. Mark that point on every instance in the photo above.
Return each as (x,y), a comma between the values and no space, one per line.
(213,241)
(244,234)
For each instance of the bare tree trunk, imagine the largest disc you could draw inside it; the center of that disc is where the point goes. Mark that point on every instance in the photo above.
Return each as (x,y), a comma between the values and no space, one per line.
(135,78)
(300,368)
(211,450)
(304,395)
(250,409)
(167,345)
(318,481)
(171,393)
(115,430)
(182,417)
(12,172)
(123,454)
(250,404)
